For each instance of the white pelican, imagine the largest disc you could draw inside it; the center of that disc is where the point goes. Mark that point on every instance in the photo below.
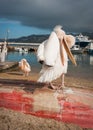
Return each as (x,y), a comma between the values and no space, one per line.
(53,53)
(3,51)
(25,67)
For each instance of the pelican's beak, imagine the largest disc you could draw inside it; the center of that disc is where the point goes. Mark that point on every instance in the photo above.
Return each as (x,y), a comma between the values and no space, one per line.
(69,52)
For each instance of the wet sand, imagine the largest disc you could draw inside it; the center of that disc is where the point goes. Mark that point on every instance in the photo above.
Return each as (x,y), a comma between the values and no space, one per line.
(12,120)
(74,78)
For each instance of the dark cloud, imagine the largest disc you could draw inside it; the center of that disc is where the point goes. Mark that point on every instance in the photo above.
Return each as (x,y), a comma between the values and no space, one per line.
(73,15)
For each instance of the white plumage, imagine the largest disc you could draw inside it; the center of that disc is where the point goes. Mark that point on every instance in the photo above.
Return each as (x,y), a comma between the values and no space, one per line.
(52,44)
(40,52)
(54,56)
(3,52)
(25,67)
(56,68)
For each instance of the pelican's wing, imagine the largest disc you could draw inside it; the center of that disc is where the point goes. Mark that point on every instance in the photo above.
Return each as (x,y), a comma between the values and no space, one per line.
(69,52)
(40,52)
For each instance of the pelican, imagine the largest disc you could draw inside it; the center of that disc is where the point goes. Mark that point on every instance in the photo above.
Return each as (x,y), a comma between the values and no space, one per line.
(53,54)
(3,51)
(25,67)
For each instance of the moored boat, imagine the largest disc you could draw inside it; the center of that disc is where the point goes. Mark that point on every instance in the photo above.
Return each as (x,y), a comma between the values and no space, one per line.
(5,66)
(21,50)
(76,49)
(82,40)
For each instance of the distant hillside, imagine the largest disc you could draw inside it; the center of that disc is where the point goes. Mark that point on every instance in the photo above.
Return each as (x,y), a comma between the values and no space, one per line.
(29,39)
(39,38)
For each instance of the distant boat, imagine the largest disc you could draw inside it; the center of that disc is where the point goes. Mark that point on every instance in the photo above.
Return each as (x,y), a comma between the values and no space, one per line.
(21,50)
(76,49)
(82,40)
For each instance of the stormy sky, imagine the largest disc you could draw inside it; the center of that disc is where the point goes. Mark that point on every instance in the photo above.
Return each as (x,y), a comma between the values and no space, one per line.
(73,15)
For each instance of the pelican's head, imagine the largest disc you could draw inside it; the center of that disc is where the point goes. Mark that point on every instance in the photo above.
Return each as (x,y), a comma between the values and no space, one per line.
(24,66)
(58,30)
(62,35)
(22,62)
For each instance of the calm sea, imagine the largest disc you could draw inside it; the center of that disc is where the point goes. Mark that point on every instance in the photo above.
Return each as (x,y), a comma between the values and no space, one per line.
(84,68)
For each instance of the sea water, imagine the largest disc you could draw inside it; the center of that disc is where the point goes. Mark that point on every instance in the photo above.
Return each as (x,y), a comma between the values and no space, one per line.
(30,57)
(84,66)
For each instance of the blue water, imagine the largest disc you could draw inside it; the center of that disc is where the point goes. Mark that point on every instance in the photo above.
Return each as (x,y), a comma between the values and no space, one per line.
(84,67)
(30,57)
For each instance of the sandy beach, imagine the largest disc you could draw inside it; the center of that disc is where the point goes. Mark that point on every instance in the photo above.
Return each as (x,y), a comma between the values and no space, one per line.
(12,120)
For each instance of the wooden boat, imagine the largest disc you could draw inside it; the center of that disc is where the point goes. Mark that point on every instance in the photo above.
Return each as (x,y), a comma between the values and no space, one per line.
(4,66)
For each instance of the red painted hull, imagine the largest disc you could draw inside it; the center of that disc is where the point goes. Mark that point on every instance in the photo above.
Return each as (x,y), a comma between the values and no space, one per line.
(75,108)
